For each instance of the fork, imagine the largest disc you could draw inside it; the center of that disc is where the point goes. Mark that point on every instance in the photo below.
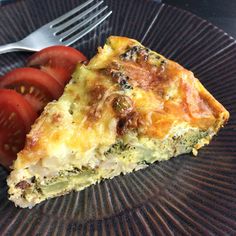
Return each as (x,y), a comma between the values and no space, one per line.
(63,30)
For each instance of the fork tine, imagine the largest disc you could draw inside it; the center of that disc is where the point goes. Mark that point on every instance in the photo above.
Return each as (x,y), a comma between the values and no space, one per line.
(81,24)
(86,30)
(68,14)
(76,18)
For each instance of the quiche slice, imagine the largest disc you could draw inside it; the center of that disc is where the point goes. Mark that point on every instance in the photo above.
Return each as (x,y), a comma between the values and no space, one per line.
(127,108)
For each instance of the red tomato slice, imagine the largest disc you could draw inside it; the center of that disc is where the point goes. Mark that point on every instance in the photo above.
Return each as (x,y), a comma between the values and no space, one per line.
(58,73)
(36,86)
(61,60)
(16,118)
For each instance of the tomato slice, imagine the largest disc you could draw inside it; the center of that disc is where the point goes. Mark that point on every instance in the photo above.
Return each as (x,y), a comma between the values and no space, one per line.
(61,60)
(16,118)
(58,73)
(36,86)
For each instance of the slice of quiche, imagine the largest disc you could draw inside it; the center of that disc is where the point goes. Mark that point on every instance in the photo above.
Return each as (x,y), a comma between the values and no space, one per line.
(127,108)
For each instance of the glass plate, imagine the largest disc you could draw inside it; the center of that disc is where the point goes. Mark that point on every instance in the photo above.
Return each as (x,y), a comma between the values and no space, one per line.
(183,196)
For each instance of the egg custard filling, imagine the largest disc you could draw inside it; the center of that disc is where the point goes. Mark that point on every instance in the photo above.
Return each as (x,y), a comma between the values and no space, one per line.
(127,108)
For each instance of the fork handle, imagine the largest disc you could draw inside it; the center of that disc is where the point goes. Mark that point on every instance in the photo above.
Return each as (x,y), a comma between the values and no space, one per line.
(13,47)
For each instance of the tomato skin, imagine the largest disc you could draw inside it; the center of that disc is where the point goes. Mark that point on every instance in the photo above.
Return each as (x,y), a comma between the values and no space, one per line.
(16,118)
(17,101)
(58,73)
(6,159)
(59,61)
(36,86)
(56,56)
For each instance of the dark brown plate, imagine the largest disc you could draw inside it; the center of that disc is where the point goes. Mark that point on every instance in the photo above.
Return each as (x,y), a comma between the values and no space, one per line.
(183,196)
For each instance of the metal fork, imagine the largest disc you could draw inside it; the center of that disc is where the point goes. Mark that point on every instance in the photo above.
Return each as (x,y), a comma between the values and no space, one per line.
(63,30)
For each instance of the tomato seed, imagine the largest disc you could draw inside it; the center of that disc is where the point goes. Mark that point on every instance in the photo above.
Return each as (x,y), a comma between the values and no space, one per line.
(22,89)
(14,149)
(6,147)
(17,132)
(13,114)
(31,90)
